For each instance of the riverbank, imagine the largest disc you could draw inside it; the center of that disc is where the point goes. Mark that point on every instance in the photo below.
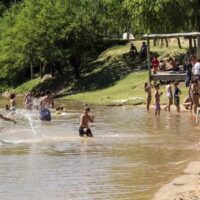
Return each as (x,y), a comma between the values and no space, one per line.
(113,78)
(184,187)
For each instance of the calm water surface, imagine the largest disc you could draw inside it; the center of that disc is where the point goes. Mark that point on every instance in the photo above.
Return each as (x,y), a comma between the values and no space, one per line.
(130,157)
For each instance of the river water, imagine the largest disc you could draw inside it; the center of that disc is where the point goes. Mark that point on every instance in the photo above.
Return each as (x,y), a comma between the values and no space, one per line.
(131,155)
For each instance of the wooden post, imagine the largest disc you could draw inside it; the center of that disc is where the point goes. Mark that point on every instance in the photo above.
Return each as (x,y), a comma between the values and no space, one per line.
(154,42)
(195,44)
(148,58)
(179,43)
(166,41)
(198,47)
(162,43)
(190,43)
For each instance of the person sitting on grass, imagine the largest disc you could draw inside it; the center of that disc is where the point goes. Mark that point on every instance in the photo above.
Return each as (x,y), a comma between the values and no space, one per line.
(86,118)
(133,50)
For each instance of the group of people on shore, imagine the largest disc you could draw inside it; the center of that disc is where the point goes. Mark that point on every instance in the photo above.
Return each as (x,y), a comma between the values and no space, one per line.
(45,106)
(191,102)
(172,96)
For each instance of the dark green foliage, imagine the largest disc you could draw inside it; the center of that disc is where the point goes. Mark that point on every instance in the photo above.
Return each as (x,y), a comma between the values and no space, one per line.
(65,35)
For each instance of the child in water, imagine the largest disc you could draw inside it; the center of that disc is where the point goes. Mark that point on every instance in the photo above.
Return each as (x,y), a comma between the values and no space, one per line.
(157,96)
(177,92)
(84,123)
(147,88)
(12,102)
(60,110)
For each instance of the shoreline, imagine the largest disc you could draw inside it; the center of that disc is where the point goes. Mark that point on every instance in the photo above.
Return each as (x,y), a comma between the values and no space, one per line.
(183,187)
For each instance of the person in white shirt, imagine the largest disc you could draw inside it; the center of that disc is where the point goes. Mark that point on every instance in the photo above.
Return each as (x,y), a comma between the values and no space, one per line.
(196,69)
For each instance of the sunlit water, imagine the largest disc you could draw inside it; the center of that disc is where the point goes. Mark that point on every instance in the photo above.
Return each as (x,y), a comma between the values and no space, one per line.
(131,155)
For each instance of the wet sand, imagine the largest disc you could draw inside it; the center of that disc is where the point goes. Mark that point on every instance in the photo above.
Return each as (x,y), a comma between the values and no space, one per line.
(184,187)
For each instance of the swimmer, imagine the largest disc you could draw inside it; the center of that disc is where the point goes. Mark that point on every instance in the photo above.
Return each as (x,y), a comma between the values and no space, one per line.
(86,118)
(46,103)
(59,110)
(7,119)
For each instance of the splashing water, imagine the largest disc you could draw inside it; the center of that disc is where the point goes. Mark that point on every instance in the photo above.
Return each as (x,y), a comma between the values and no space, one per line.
(28,116)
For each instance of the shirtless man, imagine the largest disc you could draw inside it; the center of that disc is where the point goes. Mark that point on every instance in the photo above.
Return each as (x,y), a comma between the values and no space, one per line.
(84,123)
(46,103)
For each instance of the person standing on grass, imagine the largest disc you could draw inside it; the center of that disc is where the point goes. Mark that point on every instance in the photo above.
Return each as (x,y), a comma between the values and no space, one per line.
(177,93)
(147,88)
(157,96)
(169,96)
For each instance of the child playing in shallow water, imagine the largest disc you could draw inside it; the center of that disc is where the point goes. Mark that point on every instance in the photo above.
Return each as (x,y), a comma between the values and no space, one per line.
(147,88)
(177,92)
(84,128)
(157,100)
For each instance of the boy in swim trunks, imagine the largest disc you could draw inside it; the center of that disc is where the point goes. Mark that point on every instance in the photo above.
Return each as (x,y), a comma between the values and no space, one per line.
(157,96)
(86,118)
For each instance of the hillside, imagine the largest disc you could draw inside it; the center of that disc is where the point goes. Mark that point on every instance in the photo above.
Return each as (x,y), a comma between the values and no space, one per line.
(112,79)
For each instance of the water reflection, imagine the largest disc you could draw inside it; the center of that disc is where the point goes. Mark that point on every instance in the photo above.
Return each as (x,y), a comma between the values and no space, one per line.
(130,157)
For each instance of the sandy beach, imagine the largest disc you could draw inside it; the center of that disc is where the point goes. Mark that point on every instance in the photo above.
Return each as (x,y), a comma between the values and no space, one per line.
(184,187)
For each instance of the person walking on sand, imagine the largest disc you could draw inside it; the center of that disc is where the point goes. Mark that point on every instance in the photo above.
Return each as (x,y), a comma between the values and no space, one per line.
(86,118)
(157,96)
(147,88)
(28,100)
(169,96)
(177,93)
